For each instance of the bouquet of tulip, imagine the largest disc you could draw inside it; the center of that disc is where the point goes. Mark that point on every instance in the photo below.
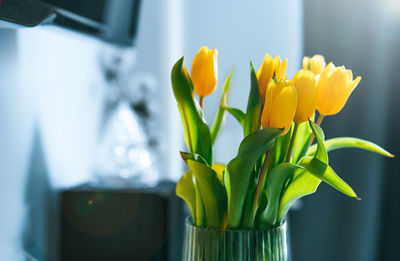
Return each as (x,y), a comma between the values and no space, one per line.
(276,163)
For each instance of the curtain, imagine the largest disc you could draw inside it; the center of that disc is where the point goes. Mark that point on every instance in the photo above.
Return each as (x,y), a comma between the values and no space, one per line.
(364,36)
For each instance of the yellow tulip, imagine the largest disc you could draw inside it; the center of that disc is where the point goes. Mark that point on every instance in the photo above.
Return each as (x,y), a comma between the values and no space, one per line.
(267,70)
(280,105)
(316,64)
(334,88)
(204,72)
(306,87)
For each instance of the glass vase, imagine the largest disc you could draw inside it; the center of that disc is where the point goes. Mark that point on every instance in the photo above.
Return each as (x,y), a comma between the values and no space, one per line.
(208,244)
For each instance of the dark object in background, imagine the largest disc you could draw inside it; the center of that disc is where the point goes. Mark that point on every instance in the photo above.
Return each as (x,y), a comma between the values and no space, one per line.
(122,225)
(110,20)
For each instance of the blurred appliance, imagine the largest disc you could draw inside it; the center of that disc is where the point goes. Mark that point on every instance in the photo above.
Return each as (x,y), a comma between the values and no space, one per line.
(109,20)
(123,225)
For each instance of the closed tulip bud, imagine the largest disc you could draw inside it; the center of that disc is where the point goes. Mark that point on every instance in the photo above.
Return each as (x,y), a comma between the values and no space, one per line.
(306,87)
(334,88)
(267,70)
(280,105)
(316,64)
(204,72)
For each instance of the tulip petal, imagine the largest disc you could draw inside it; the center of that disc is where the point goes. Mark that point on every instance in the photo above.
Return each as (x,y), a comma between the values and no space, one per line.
(281,71)
(306,62)
(283,109)
(266,114)
(350,73)
(332,93)
(328,69)
(306,87)
(355,83)
(264,75)
(317,64)
(204,71)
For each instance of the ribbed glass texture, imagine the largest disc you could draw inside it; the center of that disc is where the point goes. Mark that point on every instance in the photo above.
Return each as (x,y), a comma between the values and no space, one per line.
(205,244)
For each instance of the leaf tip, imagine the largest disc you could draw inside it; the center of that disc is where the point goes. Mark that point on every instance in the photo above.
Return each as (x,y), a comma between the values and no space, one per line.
(177,66)
(182,155)
(251,66)
(180,61)
(354,195)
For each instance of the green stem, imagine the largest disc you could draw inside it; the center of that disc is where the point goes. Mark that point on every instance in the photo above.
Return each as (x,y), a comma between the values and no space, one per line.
(201,101)
(260,183)
(320,118)
(289,154)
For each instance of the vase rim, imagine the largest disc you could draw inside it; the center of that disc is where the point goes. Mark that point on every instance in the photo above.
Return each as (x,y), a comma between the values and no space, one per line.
(189,221)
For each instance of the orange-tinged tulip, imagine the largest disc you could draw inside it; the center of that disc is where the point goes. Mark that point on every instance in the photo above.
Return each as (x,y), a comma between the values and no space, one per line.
(280,105)
(267,70)
(204,72)
(316,64)
(306,87)
(334,88)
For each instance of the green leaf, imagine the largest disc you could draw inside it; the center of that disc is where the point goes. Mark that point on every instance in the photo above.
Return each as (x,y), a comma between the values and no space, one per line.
(318,166)
(349,142)
(248,215)
(237,114)
(301,185)
(326,174)
(239,170)
(219,118)
(280,149)
(276,181)
(192,156)
(219,169)
(253,112)
(186,190)
(321,153)
(200,211)
(212,193)
(306,181)
(197,133)
(302,141)
(261,208)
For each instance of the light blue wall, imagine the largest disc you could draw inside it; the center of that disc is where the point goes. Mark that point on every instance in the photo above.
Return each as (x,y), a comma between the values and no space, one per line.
(50,106)
(16,131)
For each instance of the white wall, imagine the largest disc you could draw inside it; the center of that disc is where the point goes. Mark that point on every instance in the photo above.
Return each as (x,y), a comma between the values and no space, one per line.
(61,68)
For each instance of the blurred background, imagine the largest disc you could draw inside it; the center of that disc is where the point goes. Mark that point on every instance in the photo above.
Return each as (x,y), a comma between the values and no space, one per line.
(85,100)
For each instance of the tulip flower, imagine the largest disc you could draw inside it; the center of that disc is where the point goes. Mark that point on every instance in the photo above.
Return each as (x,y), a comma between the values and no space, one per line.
(334,88)
(280,105)
(306,87)
(204,72)
(267,70)
(316,64)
